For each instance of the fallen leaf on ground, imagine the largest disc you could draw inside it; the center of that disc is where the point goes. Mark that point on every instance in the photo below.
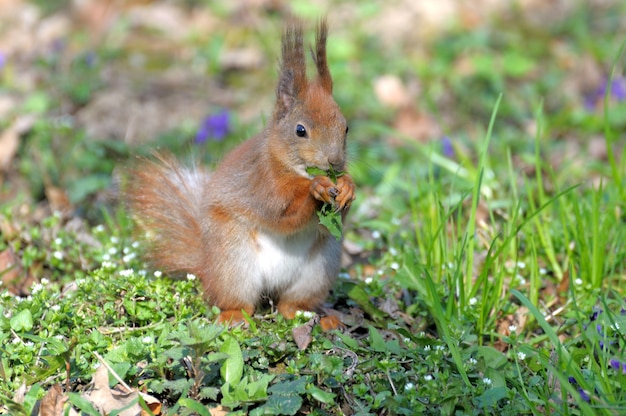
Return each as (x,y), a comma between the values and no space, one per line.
(53,402)
(302,334)
(107,400)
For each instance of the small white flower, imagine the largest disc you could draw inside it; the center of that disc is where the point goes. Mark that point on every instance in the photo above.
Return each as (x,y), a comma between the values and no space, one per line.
(135,244)
(305,314)
(368,280)
(44,281)
(543,271)
(127,258)
(380,272)
(106,257)
(472,361)
(440,347)
(472,301)
(37,287)
(58,241)
(29,344)
(112,250)
(344,275)
(126,250)
(191,276)
(427,348)
(428,377)
(487,381)
(158,273)
(58,255)
(578,281)
(521,264)
(521,356)
(512,328)
(520,279)
(142,272)
(393,251)
(16,340)
(115,240)
(58,336)
(107,265)
(395,265)
(99,228)
(55,308)
(147,339)
(126,273)
(409,386)
(375,234)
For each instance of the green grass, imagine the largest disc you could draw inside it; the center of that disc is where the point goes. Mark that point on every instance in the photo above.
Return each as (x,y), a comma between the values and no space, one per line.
(487,280)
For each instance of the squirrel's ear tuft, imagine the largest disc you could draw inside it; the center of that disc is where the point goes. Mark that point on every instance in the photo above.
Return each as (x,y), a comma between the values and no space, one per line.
(319,56)
(292,81)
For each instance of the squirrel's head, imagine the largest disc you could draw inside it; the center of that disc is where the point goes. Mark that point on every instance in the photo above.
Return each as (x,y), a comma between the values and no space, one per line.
(308,129)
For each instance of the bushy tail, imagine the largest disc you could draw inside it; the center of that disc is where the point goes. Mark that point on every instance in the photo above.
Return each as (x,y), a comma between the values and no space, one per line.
(166,202)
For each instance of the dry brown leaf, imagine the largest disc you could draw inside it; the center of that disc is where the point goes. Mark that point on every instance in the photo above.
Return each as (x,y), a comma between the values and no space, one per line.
(391,91)
(218,411)
(9,143)
(10,139)
(18,397)
(53,402)
(12,274)
(58,199)
(416,124)
(106,399)
(302,334)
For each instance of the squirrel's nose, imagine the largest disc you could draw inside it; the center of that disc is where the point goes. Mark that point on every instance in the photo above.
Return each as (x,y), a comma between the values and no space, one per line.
(336,163)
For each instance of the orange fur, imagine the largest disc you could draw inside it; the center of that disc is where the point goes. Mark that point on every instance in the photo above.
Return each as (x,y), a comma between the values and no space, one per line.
(249,230)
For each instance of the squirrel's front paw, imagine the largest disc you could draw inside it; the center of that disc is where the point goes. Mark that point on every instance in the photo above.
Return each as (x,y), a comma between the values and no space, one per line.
(323,189)
(345,191)
(340,194)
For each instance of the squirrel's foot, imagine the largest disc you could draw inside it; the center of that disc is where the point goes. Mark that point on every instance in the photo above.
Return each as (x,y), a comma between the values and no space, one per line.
(234,317)
(289,310)
(330,322)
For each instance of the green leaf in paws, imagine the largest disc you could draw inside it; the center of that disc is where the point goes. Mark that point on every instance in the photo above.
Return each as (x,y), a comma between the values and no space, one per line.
(331,219)
(328,215)
(331,173)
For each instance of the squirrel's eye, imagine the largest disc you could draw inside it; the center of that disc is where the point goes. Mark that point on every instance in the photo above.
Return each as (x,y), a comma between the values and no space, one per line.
(347,128)
(300,131)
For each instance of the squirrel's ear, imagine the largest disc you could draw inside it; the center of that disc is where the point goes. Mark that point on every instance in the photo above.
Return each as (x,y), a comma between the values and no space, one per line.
(292,81)
(319,56)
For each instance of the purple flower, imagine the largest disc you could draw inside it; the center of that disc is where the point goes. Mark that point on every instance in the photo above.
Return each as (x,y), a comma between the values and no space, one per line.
(617,90)
(91,59)
(583,394)
(446,147)
(617,365)
(214,127)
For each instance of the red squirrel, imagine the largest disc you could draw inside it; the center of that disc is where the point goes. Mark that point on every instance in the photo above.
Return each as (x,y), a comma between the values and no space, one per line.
(249,230)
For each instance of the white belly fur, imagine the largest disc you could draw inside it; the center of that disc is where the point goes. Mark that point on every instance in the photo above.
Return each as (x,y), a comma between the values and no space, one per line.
(283,260)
